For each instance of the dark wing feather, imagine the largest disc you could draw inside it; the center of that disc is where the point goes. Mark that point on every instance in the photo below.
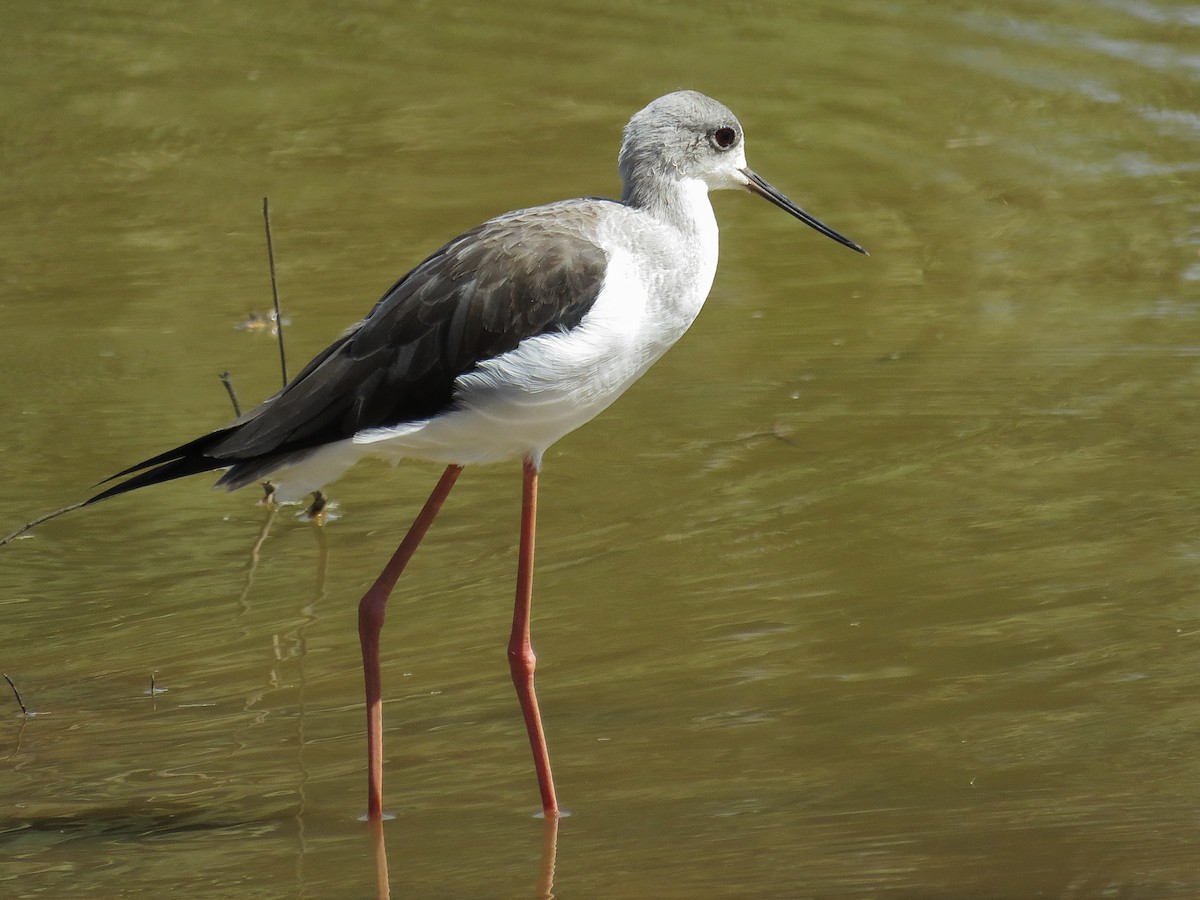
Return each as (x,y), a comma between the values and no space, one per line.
(512,278)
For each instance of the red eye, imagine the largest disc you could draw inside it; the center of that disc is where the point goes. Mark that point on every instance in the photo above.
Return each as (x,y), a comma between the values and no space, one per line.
(724,138)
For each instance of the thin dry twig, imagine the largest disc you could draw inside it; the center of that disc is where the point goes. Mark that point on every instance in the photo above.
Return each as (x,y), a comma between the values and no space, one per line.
(17,694)
(227,380)
(40,519)
(275,291)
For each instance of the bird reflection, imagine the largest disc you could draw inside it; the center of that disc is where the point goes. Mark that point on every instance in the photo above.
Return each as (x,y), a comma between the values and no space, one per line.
(383,889)
(545,879)
(545,886)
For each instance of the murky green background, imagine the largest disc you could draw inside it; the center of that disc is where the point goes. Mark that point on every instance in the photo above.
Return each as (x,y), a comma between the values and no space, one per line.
(882,584)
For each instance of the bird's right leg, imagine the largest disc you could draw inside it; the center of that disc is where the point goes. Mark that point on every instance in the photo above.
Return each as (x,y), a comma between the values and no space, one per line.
(370,624)
(521,659)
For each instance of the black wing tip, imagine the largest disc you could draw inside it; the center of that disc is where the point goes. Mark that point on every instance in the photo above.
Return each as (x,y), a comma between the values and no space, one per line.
(178,462)
(165,471)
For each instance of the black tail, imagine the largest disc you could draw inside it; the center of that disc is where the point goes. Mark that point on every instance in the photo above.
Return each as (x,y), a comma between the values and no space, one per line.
(186,459)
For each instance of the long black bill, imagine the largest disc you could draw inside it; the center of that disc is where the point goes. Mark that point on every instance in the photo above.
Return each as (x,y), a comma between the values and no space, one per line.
(760,186)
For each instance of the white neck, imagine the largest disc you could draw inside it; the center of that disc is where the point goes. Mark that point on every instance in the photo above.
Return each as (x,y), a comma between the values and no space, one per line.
(682,204)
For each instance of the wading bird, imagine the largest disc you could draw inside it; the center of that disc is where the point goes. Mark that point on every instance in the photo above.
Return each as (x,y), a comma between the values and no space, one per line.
(504,340)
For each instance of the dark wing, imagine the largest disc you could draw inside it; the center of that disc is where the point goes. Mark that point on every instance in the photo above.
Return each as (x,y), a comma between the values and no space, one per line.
(512,278)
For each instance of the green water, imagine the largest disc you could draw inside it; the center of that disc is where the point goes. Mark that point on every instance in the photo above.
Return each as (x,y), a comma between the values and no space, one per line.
(883,583)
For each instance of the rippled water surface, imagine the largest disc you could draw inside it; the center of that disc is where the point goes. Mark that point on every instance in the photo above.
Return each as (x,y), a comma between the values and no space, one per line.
(882,584)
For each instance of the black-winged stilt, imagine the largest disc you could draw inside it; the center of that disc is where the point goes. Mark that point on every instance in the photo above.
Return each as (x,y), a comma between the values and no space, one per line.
(504,340)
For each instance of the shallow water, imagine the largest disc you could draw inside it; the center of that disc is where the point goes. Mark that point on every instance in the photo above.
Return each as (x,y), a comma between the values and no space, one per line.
(883,583)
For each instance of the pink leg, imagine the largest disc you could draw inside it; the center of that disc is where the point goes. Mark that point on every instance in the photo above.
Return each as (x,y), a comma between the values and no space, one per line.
(370,623)
(521,658)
